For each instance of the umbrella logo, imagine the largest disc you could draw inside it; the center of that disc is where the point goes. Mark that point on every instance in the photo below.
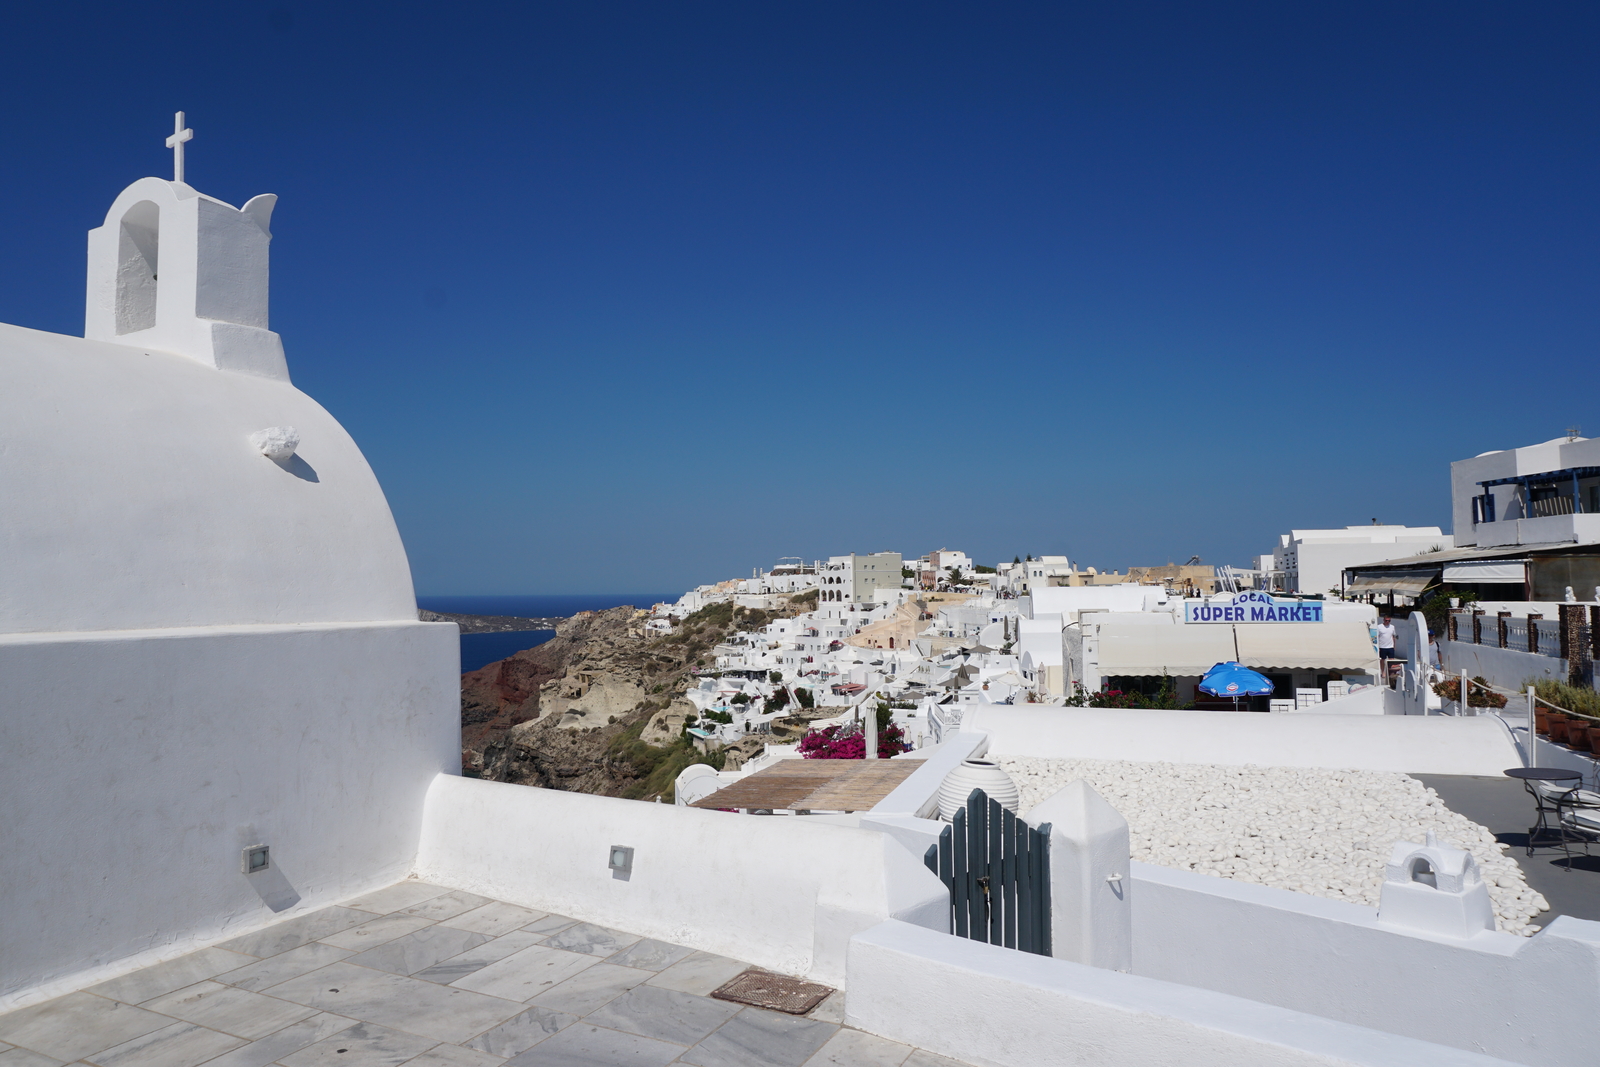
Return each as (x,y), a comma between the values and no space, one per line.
(1233,687)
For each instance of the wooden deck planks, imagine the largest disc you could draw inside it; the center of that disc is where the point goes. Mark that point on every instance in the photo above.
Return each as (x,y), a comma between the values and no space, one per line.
(814,785)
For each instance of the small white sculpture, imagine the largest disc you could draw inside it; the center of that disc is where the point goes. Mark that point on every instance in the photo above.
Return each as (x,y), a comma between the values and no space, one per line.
(277,443)
(1435,888)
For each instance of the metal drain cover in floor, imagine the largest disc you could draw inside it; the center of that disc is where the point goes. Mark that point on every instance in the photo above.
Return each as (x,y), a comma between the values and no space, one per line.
(763,989)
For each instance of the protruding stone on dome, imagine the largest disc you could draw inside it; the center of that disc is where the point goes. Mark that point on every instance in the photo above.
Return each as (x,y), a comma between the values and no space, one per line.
(176,270)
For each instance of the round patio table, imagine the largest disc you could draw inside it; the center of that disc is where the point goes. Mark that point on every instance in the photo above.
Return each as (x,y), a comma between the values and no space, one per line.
(1529,775)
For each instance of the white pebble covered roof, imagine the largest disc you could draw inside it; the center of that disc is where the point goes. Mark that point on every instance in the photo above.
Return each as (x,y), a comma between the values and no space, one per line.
(1327,833)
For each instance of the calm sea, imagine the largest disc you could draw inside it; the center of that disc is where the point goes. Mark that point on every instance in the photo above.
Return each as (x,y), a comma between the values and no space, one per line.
(479,650)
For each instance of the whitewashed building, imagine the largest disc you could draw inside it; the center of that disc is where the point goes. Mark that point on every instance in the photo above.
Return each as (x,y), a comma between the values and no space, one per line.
(1313,561)
(856,579)
(1544,494)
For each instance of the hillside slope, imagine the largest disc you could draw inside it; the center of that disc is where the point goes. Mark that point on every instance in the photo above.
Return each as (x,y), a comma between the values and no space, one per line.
(599,708)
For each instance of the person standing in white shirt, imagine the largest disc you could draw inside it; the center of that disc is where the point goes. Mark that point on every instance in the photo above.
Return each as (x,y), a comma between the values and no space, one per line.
(1386,635)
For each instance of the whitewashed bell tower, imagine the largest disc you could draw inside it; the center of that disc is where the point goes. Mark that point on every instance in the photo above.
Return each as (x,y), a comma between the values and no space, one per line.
(176,270)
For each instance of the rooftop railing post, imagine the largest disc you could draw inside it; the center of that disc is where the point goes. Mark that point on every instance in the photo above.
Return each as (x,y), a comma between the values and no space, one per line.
(1463,693)
(1533,737)
(1533,631)
(1500,625)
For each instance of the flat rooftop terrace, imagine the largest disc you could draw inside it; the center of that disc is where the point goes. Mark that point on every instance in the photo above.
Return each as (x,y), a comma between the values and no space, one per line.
(421,975)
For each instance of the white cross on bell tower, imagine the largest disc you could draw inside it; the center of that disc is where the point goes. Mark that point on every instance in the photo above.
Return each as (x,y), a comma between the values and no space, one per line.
(175,142)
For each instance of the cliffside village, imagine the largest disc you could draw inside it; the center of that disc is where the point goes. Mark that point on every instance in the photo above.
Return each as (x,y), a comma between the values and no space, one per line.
(935,635)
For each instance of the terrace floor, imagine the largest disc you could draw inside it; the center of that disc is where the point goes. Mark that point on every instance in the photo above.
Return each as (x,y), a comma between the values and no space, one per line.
(420,975)
(1504,806)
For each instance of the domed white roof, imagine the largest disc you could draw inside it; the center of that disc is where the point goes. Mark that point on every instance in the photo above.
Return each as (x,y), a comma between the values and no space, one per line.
(134,498)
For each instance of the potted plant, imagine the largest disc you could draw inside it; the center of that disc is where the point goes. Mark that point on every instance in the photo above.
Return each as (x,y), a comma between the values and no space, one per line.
(1578,734)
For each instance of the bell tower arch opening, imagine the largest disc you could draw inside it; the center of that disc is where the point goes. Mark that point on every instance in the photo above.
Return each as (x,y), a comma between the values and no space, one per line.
(138,254)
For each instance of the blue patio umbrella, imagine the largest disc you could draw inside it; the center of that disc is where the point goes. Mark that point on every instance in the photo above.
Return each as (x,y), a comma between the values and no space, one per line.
(1231,680)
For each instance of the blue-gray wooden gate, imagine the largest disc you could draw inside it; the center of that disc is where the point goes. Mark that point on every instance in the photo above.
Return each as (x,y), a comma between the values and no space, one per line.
(997,869)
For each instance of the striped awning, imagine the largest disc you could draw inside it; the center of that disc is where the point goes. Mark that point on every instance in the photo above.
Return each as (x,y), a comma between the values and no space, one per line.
(1503,571)
(1405,582)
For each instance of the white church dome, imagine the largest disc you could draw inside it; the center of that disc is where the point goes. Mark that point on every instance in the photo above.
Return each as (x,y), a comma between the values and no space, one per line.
(138,487)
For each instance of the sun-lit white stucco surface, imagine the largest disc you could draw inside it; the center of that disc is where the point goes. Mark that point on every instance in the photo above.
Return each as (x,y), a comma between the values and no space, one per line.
(133,498)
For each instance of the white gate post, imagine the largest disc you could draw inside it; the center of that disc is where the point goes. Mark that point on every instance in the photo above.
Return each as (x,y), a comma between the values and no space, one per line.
(1091,885)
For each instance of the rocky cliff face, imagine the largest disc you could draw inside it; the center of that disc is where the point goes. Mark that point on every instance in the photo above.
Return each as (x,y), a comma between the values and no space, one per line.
(598,708)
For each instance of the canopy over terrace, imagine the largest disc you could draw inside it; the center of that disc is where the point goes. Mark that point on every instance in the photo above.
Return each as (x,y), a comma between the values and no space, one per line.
(1544,494)
(1545,566)
(1134,648)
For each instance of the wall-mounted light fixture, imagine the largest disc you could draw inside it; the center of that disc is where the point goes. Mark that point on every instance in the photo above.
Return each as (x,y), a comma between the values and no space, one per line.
(255,859)
(621,862)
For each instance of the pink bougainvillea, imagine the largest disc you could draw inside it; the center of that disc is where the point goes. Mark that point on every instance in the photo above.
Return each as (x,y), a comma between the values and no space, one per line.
(829,744)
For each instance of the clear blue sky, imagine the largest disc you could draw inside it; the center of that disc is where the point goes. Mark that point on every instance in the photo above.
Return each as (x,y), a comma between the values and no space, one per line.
(625,297)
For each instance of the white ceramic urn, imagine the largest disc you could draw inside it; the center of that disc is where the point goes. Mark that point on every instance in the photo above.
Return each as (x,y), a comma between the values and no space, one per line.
(976,774)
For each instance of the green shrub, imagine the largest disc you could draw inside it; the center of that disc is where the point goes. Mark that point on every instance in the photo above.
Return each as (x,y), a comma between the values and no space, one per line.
(719,616)
(1576,698)
(1436,609)
(655,767)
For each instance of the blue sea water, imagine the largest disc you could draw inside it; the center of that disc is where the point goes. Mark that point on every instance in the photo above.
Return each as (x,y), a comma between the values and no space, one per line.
(480,650)
(539,607)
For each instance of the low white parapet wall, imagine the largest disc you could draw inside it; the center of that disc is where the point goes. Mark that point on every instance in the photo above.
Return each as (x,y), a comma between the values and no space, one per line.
(782,892)
(1404,743)
(1493,992)
(996,1007)
(1508,668)
(918,795)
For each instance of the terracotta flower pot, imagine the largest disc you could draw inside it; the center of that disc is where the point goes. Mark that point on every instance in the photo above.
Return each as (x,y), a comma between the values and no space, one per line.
(1541,721)
(1558,728)
(1578,734)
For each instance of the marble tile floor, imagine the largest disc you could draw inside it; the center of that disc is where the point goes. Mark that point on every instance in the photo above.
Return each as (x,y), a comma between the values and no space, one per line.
(429,977)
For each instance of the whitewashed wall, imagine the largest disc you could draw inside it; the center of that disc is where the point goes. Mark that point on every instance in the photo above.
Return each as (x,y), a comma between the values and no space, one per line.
(783,892)
(1505,667)
(995,1007)
(137,764)
(1493,993)
(1420,744)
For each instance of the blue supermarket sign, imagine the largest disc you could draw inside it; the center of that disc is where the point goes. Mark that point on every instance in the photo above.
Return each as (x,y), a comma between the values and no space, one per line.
(1255,607)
